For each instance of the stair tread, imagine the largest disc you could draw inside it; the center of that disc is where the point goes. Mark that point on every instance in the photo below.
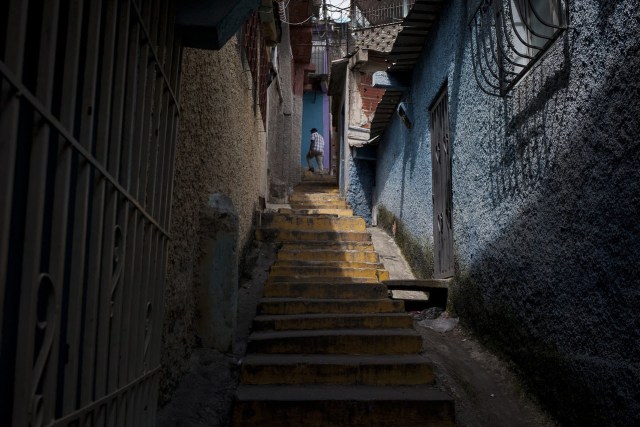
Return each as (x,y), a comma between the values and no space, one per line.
(307,392)
(368,359)
(321,249)
(321,279)
(323,315)
(265,335)
(328,264)
(323,300)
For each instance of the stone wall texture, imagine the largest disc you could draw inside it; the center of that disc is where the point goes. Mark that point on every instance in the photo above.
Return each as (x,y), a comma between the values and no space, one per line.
(221,148)
(546,195)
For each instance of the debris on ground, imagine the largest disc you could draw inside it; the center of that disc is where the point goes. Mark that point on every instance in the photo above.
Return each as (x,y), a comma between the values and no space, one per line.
(429,313)
(442,323)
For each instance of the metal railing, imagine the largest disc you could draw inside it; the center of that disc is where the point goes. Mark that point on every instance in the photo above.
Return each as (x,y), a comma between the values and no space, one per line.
(88,121)
(508,36)
(366,14)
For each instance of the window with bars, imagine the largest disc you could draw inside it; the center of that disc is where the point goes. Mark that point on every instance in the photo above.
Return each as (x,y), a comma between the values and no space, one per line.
(509,36)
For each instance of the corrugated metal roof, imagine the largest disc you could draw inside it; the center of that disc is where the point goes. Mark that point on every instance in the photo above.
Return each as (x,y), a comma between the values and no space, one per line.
(404,55)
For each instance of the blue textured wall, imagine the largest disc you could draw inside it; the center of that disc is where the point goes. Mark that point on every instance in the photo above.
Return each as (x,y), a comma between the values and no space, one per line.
(313,116)
(361,183)
(546,188)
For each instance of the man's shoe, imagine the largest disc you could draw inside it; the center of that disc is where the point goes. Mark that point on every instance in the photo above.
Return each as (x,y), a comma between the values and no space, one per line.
(311,170)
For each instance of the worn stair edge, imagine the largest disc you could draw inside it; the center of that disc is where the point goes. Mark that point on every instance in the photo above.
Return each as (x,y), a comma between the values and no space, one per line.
(316,222)
(323,245)
(330,271)
(322,279)
(346,341)
(303,263)
(276,234)
(318,254)
(317,306)
(300,322)
(325,290)
(380,370)
(310,406)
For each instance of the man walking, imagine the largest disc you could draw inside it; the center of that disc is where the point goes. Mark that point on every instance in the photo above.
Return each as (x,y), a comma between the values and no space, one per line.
(316,149)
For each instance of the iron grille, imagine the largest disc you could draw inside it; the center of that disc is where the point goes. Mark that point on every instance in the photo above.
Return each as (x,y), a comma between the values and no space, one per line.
(88,122)
(509,36)
(368,13)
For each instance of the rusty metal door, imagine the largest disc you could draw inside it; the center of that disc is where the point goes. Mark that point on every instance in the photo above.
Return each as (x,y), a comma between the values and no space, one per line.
(442,191)
(88,122)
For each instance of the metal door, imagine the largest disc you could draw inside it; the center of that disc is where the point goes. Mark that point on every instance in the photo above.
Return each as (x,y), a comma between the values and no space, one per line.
(88,121)
(442,192)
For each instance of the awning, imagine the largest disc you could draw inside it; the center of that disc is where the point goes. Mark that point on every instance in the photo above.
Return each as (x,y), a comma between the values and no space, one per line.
(406,51)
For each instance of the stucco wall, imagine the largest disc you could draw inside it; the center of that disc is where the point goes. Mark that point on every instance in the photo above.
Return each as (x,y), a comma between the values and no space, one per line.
(359,193)
(546,195)
(283,149)
(221,148)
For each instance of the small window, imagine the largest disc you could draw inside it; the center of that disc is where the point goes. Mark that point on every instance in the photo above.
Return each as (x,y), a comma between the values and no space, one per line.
(508,36)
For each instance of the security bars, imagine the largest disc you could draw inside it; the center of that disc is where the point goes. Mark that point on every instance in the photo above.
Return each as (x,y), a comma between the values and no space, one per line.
(88,121)
(507,37)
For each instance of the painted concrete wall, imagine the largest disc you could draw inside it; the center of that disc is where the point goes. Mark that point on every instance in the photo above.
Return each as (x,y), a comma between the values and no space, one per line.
(359,193)
(221,142)
(546,194)
(362,101)
(315,114)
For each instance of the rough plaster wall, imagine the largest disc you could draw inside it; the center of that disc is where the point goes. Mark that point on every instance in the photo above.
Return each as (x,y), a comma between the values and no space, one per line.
(220,145)
(359,193)
(280,141)
(546,188)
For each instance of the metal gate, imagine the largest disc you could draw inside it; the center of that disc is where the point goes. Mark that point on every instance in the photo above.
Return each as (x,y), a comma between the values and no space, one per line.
(88,124)
(442,192)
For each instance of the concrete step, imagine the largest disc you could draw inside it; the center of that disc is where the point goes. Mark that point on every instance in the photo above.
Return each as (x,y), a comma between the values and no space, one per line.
(336,369)
(317,306)
(325,290)
(279,235)
(304,196)
(328,264)
(317,178)
(321,279)
(300,272)
(316,187)
(320,245)
(303,322)
(316,204)
(333,255)
(322,211)
(342,406)
(314,223)
(344,341)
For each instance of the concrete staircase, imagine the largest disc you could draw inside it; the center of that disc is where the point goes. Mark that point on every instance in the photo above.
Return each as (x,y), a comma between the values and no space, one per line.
(328,347)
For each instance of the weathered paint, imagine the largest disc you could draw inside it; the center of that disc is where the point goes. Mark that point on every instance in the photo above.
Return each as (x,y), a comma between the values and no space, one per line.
(546,204)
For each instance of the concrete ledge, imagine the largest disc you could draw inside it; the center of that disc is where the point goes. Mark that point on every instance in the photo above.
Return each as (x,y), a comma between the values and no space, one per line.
(418,284)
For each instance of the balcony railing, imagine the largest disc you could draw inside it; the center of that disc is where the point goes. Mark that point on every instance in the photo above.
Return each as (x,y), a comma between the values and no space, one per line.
(365,16)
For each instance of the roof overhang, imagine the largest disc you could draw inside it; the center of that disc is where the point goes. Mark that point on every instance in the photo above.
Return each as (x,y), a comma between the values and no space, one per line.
(209,24)
(404,55)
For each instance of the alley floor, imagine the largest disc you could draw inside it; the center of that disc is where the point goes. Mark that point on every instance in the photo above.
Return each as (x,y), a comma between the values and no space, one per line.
(485,390)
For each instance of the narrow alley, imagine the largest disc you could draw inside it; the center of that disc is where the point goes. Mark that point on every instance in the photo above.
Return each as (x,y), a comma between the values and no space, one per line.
(319,212)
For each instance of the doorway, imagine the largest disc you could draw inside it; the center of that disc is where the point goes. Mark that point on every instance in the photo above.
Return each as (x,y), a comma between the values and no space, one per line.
(442,192)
